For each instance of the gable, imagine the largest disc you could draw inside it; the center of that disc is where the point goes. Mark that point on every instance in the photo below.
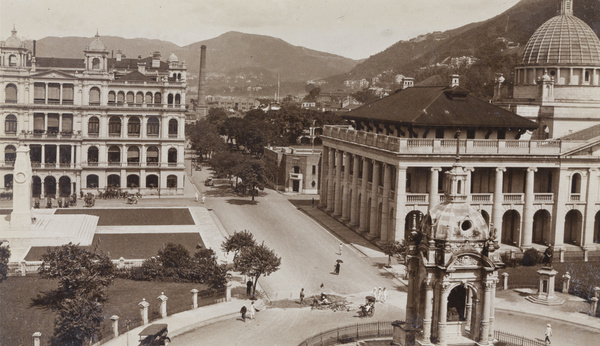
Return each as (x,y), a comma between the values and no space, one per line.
(54,74)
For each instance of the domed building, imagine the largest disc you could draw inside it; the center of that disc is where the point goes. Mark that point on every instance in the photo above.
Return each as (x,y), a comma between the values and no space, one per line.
(557,82)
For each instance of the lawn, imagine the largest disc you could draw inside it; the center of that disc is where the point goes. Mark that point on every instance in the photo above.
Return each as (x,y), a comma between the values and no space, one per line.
(132,246)
(136,217)
(20,320)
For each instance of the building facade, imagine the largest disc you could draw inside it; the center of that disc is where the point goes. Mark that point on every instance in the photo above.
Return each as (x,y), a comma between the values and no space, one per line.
(383,173)
(94,123)
(296,169)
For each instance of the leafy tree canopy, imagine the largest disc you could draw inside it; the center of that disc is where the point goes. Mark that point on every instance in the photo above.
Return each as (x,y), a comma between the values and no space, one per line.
(257,260)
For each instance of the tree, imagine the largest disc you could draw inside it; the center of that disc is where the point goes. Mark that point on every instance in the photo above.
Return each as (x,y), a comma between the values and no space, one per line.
(237,242)
(253,175)
(4,257)
(257,260)
(83,279)
(393,248)
(174,256)
(365,96)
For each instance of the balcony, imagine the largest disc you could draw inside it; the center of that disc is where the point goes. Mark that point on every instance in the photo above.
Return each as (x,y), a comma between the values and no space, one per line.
(481,197)
(40,134)
(575,197)
(543,198)
(513,198)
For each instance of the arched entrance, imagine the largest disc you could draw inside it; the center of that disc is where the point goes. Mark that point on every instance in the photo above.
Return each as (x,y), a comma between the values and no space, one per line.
(50,186)
(573,227)
(36,186)
(8,182)
(64,186)
(541,227)
(133,181)
(511,222)
(152,181)
(412,220)
(113,180)
(457,303)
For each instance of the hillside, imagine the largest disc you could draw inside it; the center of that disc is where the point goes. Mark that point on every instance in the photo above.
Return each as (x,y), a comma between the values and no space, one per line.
(226,55)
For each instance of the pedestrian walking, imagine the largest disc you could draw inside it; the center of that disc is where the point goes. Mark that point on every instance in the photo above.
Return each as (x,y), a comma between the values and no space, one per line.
(249,287)
(384,295)
(197,197)
(337,268)
(378,295)
(243,312)
(374,293)
(252,310)
(203,199)
(341,247)
(302,296)
(548,334)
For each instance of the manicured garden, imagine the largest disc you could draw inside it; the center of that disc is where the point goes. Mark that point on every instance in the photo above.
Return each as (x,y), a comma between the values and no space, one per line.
(20,319)
(136,217)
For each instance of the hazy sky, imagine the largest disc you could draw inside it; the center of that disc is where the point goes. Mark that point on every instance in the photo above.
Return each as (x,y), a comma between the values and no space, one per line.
(351,28)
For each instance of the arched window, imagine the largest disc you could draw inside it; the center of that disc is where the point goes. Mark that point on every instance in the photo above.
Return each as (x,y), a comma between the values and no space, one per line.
(10,153)
(172,181)
(130,97)
(139,98)
(94,96)
(133,181)
(95,64)
(112,98)
(133,127)
(173,128)
(133,156)
(114,126)
(113,180)
(172,157)
(12,60)
(148,98)
(157,99)
(93,127)
(91,181)
(92,156)
(576,183)
(152,181)
(178,99)
(11,94)
(153,127)
(8,181)
(152,156)
(120,98)
(10,124)
(170,99)
(114,156)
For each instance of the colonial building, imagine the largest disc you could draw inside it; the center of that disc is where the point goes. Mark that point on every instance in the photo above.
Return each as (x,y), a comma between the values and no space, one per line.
(295,169)
(386,169)
(93,123)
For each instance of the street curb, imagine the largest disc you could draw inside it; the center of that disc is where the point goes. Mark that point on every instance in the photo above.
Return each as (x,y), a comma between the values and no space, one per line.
(562,320)
(191,327)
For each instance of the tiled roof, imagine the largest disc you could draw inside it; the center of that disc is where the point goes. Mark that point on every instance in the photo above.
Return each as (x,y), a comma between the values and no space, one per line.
(584,135)
(59,62)
(438,107)
(135,76)
(131,64)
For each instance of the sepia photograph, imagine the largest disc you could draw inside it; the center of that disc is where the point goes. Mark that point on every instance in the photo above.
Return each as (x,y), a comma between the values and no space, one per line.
(299,172)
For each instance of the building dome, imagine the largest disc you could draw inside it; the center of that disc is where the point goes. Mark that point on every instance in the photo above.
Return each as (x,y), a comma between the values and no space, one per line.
(455,221)
(563,40)
(97,45)
(173,58)
(13,41)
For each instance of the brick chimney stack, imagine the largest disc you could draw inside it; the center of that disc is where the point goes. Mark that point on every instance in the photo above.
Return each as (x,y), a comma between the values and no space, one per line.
(201,106)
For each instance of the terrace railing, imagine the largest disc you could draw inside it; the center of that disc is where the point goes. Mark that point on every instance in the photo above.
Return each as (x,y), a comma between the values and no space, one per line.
(350,334)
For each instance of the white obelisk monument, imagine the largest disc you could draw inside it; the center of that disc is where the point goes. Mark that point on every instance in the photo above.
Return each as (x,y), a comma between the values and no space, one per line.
(20,218)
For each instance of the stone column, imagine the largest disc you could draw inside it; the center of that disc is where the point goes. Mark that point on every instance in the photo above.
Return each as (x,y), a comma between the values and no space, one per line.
(485,319)
(492,310)
(410,299)
(469,306)
(385,209)
(505,281)
(330,182)
(400,204)
(346,190)
(36,338)
(363,196)
(163,304)
(444,292)
(195,298)
(434,196)
(475,316)
(115,325)
(354,201)
(428,310)
(560,210)
(528,209)
(228,291)
(373,231)
(498,198)
(337,204)
(590,216)
(324,178)
(144,310)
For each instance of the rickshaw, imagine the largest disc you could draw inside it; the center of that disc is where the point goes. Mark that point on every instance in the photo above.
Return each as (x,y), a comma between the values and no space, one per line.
(367,310)
(155,335)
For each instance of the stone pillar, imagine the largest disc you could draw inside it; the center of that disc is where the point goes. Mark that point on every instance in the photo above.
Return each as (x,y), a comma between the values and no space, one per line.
(443,311)
(560,210)
(337,204)
(354,201)
(593,306)
(115,325)
(195,298)
(346,190)
(498,198)
(373,231)
(434,196)
(330,177)
(566,282)
(144,310)
(504,281)
(475,319)
(385,208)
(363,196)
(400,204)
(590,216)
(428,310)
(228,292)
(485,320)
(163,304)
(469,306)
(410,299)
(36,338)
(528,209)
(492,309)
